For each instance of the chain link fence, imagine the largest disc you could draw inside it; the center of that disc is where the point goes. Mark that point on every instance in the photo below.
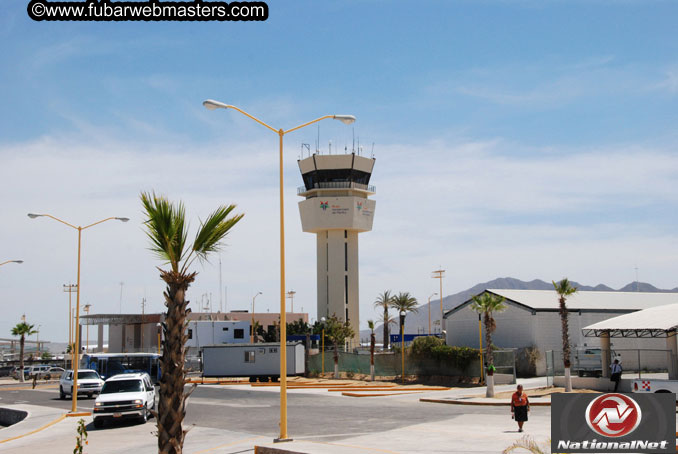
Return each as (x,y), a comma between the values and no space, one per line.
(589,362)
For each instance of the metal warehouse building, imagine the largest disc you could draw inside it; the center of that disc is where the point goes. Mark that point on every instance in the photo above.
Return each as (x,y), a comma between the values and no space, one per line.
(532,320)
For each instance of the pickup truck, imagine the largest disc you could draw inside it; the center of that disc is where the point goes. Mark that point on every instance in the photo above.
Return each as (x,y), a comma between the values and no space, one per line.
(654,385)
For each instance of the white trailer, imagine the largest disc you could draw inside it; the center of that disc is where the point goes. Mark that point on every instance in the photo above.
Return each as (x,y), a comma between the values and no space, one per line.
(256,361)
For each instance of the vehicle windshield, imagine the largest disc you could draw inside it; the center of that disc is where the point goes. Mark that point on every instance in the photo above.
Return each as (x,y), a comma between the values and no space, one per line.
(122,386)
(89,374)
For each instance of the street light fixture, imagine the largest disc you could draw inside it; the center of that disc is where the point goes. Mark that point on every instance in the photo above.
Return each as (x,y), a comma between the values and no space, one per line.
(429,312)
(74,393)
(346,119)
(11,261)
(252,324)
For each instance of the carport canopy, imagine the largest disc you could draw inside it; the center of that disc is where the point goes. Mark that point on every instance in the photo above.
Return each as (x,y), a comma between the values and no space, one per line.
(659,321)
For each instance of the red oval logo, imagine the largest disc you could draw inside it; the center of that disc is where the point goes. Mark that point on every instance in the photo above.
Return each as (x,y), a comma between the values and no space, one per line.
(613,415)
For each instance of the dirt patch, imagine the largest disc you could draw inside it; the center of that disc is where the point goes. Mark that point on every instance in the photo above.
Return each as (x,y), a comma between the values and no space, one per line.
(541,392)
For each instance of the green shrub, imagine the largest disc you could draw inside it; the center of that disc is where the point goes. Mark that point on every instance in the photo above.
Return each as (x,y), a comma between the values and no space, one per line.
(460,357)
(423,346)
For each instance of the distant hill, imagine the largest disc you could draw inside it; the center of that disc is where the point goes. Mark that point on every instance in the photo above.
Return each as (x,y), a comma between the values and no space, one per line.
(418,322)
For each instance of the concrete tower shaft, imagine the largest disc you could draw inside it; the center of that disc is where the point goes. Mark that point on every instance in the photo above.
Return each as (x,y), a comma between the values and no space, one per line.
(336,208)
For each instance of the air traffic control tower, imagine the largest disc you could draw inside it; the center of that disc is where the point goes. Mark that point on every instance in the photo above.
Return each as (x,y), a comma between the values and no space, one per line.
(336,209)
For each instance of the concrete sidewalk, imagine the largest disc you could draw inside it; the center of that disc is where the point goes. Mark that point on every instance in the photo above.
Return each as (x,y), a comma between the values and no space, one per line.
(463,434)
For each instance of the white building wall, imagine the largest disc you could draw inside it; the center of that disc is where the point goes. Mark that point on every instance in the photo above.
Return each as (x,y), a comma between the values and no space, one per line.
(518,328)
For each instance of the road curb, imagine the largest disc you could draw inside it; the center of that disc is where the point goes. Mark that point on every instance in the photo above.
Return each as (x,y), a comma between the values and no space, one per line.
(481,404)
(59,419)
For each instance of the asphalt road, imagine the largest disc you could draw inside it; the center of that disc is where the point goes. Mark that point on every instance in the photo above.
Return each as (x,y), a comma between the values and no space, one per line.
(314,415)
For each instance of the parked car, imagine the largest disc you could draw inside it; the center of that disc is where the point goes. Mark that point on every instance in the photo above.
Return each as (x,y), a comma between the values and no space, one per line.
(89,382)
(16,371)
(654,385)
(53,372)
(125,396)
(38,371)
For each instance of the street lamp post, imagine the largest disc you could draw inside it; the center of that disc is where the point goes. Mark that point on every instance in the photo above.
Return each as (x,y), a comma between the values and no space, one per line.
(346,119)
(37,332)
(252,324)
(290,295)
(159,326)
(322,348)
(86,309)
(74,406)
(402,342)
(480,349)
(429,313)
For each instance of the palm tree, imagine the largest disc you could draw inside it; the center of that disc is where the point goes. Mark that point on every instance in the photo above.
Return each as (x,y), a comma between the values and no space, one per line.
(564,288)
(403,301)
(167,231)
(486,304)
(337,332)
(22,329)
(373,340)
(384,301)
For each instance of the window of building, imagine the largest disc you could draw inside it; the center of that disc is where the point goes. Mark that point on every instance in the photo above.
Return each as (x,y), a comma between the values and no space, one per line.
(249,356)
(345,256)
(238,333)
(190,333)
(224,329)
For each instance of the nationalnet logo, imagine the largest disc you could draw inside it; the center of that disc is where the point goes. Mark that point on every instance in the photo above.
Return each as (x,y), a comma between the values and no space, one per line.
(613,415)
(613,423)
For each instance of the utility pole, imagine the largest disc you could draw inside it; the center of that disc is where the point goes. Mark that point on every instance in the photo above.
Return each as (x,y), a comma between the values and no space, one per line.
(143,307)
(121,284)
(439,274)
(70,289)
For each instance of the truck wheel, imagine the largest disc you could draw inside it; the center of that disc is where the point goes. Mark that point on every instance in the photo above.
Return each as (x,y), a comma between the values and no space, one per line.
(253,379)
(275,379)
(62,394)
(263,379)
(144,415)
(580,373)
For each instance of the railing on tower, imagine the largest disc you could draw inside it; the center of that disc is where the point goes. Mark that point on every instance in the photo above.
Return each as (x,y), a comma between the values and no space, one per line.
(337,185)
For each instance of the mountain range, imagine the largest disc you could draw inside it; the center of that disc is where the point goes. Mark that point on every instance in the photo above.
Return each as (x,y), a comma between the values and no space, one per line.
(418,322)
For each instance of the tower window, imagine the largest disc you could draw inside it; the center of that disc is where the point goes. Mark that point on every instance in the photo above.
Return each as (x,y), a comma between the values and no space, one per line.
(345,233)
(346,289)
(345,256)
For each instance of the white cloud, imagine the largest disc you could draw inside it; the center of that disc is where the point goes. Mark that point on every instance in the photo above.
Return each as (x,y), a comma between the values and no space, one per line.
(476,208)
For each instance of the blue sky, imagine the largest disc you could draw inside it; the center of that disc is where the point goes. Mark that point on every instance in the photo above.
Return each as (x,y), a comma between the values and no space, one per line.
(534,139)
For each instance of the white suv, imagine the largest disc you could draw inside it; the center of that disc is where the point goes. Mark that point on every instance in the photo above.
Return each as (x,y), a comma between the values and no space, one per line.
(89,382)
(125,396)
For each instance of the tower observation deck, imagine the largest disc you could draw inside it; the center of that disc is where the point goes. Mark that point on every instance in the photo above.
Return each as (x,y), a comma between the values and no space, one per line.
(336,208)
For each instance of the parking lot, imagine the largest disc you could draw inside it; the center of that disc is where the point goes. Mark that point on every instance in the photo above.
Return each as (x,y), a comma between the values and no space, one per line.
(232,418)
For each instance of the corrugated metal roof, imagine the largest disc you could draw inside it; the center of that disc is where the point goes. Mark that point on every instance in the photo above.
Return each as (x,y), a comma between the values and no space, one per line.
(653,322)
(588,300)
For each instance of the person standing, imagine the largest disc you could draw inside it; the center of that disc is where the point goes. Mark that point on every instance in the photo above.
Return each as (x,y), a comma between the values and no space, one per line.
(615,373)
(520,406)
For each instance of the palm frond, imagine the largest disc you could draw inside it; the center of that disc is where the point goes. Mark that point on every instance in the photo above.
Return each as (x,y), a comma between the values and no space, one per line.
(213,230)
(403,301)
(564,287)
(384,300)
(23,329)
(165,227)
(486,303)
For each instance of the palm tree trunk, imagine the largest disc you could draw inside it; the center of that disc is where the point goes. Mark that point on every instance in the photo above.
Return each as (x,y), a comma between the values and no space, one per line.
(373,340)
(172,401)
(385,327)
(489,357)
(566,345)
(336,360)
(21,358)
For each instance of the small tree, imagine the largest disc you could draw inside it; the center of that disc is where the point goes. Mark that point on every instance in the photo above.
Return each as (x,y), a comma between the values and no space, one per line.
(373,340)
(486,304)
(383,301)
(337,332)
(22,329)
(167,230)
(564,289)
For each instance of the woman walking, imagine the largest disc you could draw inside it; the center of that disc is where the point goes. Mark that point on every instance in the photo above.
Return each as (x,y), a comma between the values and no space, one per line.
(520,405)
